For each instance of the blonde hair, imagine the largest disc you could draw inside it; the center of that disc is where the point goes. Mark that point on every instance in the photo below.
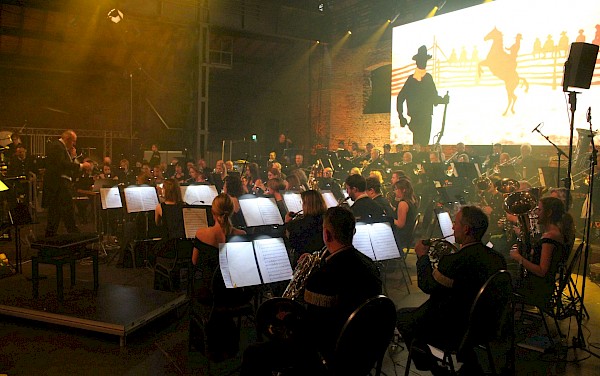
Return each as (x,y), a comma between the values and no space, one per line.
(222,210)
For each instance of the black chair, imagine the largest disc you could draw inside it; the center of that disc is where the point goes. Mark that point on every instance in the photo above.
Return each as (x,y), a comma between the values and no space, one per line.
(173,264)
(490,318)
(411,243)
(565,300)
(212,304)
(364,339)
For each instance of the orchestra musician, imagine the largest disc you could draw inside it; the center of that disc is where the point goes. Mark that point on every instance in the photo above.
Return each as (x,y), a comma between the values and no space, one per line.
(406,212)
(305,231)
(273,189)
(232,186)
(61,165)
(363,208)
(328,183)
(452,287)
(210,297)
(548,253)
(374,193)
(344,280)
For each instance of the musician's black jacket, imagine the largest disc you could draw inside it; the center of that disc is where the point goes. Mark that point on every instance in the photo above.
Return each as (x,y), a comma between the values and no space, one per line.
(365,209)
(443,318)
(344,281)
(59,165)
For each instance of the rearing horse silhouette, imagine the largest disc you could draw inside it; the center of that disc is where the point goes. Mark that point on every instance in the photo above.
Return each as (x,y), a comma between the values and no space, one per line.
(503,66)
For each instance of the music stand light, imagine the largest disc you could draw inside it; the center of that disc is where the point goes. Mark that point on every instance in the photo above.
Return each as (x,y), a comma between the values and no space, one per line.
(3,186)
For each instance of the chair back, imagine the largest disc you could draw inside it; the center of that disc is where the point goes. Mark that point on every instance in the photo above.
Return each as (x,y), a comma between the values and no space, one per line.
(365,337)
(567,270)
(490,312)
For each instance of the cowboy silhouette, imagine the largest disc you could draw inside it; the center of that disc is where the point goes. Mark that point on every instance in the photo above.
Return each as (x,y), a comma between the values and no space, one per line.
(421,95)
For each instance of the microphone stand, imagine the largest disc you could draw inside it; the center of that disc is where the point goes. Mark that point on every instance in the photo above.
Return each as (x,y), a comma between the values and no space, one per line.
(579,341)
(559,152)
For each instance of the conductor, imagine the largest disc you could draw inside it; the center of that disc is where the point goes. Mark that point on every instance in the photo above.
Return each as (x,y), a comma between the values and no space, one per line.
(61,164)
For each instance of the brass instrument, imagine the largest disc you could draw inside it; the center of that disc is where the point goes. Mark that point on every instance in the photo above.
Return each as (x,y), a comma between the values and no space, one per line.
(438,248)
(482,183)
(450,170)
(507,185)
(418,170)
(520,204)
(304,269)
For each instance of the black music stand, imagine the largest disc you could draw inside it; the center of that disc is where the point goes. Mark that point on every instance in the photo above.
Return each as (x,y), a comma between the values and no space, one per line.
(19,216)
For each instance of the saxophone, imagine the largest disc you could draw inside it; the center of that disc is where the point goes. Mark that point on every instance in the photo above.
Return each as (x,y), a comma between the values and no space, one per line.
(309,264)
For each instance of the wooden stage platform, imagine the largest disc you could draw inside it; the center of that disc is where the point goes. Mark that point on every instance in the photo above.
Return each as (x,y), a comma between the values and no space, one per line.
(115,309)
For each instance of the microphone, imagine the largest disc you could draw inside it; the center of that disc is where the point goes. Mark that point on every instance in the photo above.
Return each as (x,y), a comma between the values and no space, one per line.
(536,127)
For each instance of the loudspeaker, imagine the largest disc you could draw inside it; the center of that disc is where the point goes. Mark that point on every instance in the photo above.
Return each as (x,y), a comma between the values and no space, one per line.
(580,65)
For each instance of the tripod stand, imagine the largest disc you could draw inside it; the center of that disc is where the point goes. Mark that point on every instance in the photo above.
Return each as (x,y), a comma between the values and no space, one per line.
(579,341)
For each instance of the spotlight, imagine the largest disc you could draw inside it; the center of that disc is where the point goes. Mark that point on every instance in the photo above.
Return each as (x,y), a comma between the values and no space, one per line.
(318,42)
(115,15)
(349,32)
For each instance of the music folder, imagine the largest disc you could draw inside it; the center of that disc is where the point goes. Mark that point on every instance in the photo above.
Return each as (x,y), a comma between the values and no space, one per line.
(201,194)
(250,261)
(260,211)
(195,217)
(329,198)
(293,201)
(376,241)
(140,198)
(110,198)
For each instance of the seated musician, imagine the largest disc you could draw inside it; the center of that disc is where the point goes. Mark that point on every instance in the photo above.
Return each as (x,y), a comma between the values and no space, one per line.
(406,213)
(328,183)
(363,208)
(168,216)
(83,186)
(452,287)
(548,253)
(273,189)
(210,297)
(305,232)
(232,186)
(196,175)
(345,279)
(374,193)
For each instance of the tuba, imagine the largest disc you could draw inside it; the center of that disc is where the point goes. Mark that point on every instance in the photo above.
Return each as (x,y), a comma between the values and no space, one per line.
(520,204)
(304,269)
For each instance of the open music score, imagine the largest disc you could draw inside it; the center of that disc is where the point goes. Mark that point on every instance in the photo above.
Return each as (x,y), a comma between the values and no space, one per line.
(293,201)
(140,199)
(446,227)
(329,198)
(260,211)
(376,241)
(110,198)
(193,219)
(250,263)
(198,194)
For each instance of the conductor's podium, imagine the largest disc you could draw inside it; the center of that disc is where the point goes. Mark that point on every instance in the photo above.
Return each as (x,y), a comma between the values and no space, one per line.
(60,250)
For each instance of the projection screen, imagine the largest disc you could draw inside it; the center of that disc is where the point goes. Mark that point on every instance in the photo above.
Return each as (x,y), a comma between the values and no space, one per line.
(477,53)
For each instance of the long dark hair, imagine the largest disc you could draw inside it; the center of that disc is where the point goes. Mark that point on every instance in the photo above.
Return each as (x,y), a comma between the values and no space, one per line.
(560,217)
(409,193)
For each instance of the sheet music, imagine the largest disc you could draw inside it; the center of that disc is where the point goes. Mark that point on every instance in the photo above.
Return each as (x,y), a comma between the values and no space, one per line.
(260,211)
(293,201)
(224,265)
(446,226)
(329,198)
(140,199)
(362,240)
(383,241)
(243,270)
(110,198)
(199,194)
(193,219)
(273,260)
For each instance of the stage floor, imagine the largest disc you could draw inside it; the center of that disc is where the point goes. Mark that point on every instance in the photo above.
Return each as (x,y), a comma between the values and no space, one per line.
(115,309)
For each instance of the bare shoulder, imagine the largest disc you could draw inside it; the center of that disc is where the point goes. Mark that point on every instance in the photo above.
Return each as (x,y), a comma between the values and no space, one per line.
(554,234)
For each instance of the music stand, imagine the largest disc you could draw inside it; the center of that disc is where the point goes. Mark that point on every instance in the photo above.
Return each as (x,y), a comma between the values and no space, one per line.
(19,216)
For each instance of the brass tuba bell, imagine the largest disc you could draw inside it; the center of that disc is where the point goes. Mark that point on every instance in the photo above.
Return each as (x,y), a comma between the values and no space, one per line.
(507,185)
